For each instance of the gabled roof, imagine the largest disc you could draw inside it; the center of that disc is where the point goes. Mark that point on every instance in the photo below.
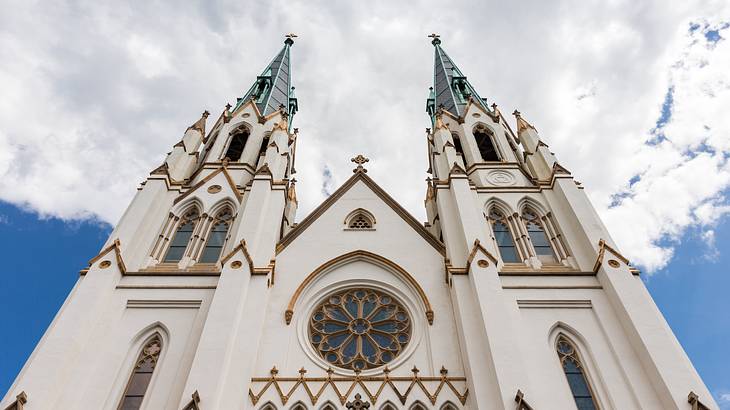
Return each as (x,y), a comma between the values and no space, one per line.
(327,203)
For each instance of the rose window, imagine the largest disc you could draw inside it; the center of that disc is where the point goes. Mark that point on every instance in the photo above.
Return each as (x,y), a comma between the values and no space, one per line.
(359,329)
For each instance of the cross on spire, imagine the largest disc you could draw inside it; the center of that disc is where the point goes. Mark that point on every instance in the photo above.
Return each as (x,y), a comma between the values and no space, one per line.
(435,38)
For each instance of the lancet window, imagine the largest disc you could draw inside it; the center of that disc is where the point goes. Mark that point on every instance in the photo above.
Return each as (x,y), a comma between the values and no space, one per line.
(237,144)
(575,373)
(417,406)
(457,145)
(182,236)
(217,236)
(264,146)
(144,367)
(538,237)
(503,236)
(299,406)
(485,144)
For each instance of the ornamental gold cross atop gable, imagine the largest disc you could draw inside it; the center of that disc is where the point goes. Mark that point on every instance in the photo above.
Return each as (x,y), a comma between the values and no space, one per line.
(359,160)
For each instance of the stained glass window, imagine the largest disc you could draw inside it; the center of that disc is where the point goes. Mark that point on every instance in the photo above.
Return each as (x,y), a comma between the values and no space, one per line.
(182,236)
(142,374)
(217,237)
(503,236)
(359,329)
(540,241)
(573,369)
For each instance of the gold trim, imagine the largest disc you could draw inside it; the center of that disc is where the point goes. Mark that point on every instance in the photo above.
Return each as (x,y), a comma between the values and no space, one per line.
(19,402)
(694,400)
(116,246)
(520,400)
(358,380)
(289,313)
(327,203)
(208,178)
(602,247)
(194,403)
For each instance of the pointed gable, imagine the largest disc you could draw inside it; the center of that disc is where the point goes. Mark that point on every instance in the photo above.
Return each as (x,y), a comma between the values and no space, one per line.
(360,178)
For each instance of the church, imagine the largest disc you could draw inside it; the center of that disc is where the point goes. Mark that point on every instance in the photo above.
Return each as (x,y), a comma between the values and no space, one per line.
(209,295)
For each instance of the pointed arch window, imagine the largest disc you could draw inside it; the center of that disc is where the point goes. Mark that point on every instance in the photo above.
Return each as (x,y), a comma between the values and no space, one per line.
(486,147)
(141,375)
(237,144)
(503,236)
(575,373)
(448,406)
(328,406)
(217,237)
(184,232)
(360,219)
(388,406)
(264,146)
(299,406)
(539,239)
(268,406)
(417,406)
(457,145)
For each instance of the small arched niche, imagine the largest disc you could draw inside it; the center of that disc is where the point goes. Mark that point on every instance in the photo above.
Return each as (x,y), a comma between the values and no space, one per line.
(360,220)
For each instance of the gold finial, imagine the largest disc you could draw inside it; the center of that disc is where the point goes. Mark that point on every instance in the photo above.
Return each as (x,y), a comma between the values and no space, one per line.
(359,160)
(521,123)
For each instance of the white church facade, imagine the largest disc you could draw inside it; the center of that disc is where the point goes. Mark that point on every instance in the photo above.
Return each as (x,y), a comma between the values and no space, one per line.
(208,295)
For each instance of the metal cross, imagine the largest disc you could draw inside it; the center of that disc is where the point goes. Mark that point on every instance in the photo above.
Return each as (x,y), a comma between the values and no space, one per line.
(434,36)
(291,35)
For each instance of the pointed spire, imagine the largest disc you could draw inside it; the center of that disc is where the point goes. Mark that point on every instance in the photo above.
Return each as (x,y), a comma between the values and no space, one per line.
(451,90)
(200,124)
(272,88)
(522,124)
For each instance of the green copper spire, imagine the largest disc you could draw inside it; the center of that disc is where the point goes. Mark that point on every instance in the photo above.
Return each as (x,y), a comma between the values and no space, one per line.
(451,91)
(272,89)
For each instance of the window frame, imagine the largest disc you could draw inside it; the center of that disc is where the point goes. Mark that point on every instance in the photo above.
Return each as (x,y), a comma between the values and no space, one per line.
(184,220)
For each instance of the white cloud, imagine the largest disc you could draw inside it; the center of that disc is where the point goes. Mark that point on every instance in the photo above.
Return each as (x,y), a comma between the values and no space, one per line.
(95,94)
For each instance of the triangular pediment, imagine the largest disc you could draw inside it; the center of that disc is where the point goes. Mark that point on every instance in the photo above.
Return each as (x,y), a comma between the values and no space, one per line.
(217,184)
(361,177)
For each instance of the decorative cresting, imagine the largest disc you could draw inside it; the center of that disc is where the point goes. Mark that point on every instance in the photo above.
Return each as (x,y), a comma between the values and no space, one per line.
(358,255)
(359,328)
(372,386)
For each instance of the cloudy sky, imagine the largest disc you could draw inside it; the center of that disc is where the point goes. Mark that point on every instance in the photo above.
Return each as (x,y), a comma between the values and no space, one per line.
(631,96)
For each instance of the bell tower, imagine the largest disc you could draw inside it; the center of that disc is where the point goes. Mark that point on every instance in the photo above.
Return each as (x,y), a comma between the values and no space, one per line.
(524,248)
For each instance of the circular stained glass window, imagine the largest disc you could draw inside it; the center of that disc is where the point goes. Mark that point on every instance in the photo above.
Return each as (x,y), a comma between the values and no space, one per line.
(359,329)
